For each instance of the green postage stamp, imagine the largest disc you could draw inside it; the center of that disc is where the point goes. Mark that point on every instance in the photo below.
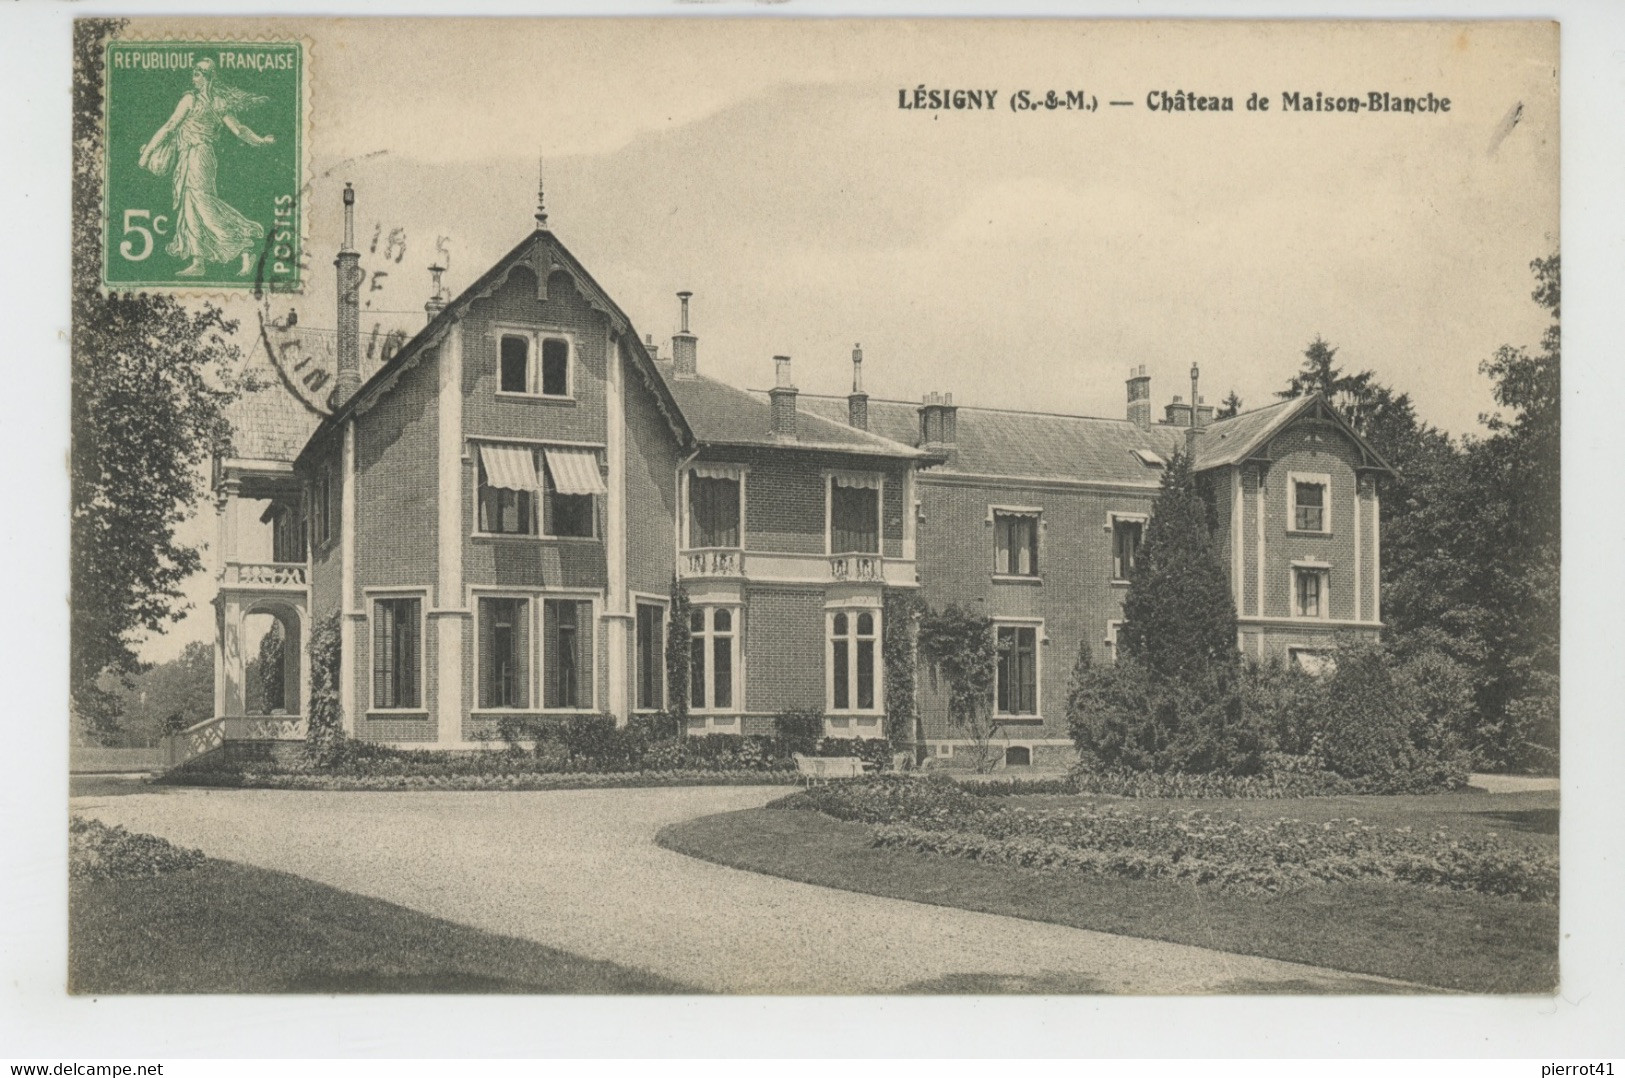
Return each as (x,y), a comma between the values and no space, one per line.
(204,167)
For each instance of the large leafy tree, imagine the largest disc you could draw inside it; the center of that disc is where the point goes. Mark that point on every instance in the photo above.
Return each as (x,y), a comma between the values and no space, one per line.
(1480,573)
(151,380)
(1178,618)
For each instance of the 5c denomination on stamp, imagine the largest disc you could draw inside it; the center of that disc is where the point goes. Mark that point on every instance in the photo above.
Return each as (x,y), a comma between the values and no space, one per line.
(205,161)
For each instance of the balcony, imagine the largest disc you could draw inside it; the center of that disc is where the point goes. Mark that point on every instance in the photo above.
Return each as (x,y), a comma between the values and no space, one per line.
(857,569)
(712,564)
(275,575)
(787,568)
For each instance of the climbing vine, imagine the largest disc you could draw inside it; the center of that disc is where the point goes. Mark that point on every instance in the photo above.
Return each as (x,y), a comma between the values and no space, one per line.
(959,646)
(899,650)
(326,729)
(678,655)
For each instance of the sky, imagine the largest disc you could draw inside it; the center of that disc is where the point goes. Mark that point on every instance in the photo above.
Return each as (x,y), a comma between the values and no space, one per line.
(1015,260)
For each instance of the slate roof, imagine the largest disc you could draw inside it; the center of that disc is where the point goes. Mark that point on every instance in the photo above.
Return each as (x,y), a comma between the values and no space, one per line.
(991,441)
(723,415)
(271,422)
(1039,445)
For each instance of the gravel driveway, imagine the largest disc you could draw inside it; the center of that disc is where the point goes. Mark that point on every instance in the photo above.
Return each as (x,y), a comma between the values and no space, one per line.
(579,870)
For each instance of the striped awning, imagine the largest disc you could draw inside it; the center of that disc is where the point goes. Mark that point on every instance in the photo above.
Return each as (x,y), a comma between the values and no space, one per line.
(574,471)
(509,467)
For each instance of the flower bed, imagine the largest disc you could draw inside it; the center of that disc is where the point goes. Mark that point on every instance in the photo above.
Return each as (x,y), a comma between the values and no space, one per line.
(99,852)
(477,780)
(940,817)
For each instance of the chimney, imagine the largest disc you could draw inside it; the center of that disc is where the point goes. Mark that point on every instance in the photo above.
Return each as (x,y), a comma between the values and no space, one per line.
(437,301)
(1139,397)
(650,346)
(783,398)
(684,345)
(1195,427)
(348,378)
(857,402)
(939,422)
(1176,413)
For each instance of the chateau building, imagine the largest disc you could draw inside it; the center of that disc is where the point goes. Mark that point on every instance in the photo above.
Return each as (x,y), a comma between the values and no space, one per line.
(498,518)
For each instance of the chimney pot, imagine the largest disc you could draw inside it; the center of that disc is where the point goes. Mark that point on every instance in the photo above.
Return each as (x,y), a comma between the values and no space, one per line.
(684,345)
(347,377)
(857,402)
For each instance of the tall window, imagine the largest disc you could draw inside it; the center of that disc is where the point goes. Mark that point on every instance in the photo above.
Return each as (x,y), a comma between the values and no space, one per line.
(287,535)
(515,360)
(852,645)
(712,639)
(1310,505)
(565,514)
(1017,670)
(1308,592)
(1126,536)
(504,653)
(651,657)
(321,516)
(555,367)
(1015,544)
(396,638)
(854,515)
(507,490)
(713,511)
(567,637)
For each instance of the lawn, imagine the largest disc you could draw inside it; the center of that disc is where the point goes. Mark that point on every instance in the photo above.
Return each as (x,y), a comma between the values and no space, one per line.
(231,928)
(1451,940)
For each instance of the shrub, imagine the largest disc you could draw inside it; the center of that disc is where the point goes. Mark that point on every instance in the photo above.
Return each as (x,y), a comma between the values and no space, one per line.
(871,750)
(799,728)
(99,852)
(1128,716)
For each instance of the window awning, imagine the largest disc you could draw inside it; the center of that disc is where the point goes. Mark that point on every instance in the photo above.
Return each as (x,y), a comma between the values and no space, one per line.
(509,467)
(858,480)
(716,471)
(575,471)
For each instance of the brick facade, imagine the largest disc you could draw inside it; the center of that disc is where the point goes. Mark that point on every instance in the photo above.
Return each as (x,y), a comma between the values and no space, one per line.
(1071,475)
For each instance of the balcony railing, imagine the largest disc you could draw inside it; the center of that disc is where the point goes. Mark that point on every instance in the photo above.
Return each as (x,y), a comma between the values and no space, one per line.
(212,734)
(793,568)
(713,563)
(857,568)
(265,574)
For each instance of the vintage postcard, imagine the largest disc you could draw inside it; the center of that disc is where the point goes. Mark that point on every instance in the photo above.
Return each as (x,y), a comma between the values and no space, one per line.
(836,507)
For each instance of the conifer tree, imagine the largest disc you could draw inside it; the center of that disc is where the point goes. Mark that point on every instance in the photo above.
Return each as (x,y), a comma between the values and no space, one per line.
(1179,619)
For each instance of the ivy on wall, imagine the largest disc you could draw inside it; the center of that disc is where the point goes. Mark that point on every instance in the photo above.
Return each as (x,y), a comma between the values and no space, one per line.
(678,655)
(899,649)
(326,729)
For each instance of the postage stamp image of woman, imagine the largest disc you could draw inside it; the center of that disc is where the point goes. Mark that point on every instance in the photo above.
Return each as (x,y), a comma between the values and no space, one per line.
(222,124)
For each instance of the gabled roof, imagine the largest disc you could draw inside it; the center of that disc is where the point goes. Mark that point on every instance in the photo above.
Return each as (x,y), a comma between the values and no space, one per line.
(1032,445)
(542,253)
(723,415)
(1233,440)
(269,422)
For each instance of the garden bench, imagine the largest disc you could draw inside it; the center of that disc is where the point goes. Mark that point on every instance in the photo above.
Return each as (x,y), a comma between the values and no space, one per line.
(811,769)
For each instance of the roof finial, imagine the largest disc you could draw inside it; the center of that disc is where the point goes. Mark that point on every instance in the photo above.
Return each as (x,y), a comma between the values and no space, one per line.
(541,202)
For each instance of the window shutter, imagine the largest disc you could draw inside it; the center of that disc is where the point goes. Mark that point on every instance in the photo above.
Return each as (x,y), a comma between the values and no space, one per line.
(521,656)
(584,637)
(550,653)
(489,660)
(380,654)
